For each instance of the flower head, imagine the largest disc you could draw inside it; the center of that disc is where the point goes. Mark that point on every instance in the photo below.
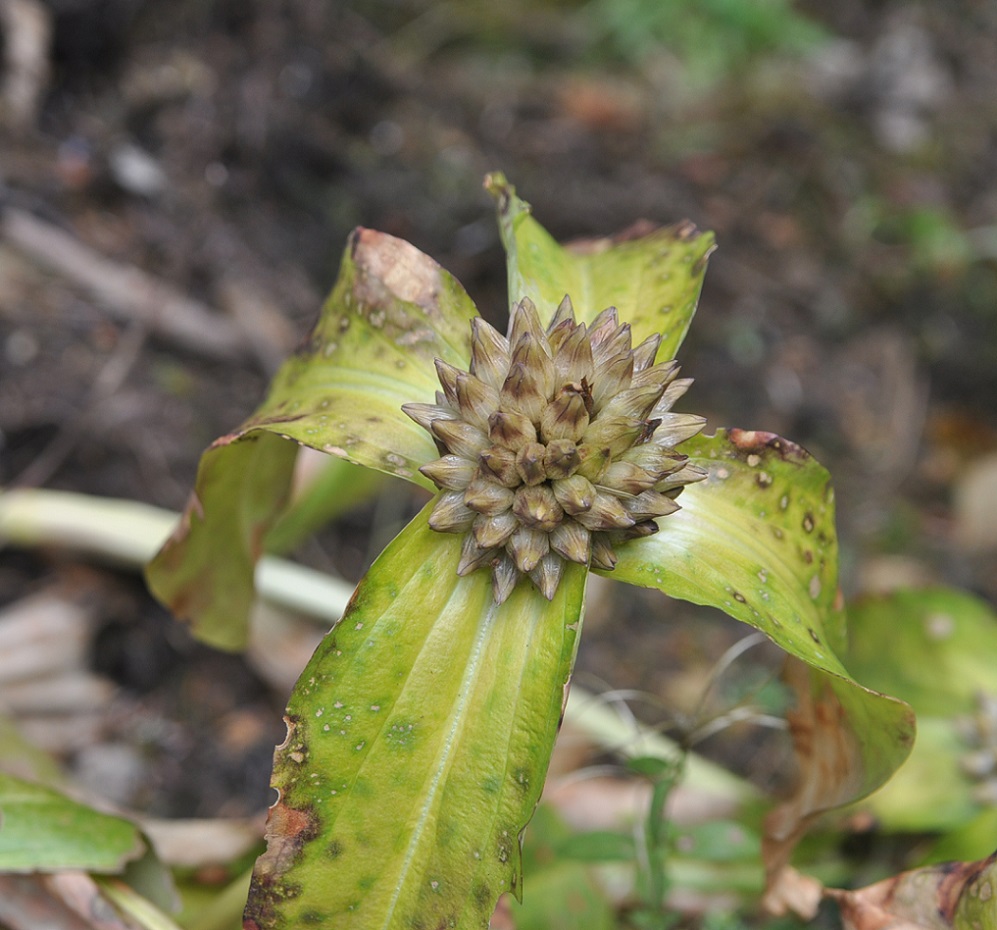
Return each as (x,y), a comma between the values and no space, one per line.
(557,445)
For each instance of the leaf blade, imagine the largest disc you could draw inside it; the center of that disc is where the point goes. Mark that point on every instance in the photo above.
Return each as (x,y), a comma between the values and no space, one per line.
(653,276)
(392,311)
(434,713)
(42,830)
(756,539)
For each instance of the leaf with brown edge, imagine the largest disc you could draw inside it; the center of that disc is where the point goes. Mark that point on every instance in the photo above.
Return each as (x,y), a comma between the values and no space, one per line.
(847,741)
(204,572)
(652,275)
(757,540)
(949,896)
(392,311)
(418,740)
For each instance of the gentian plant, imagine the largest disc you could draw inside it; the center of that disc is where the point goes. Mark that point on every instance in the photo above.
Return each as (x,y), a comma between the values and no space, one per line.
(419,734)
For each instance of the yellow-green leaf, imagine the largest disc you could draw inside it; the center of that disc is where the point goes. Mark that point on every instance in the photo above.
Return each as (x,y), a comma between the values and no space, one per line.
(653,276)
(392,312)
(934,648)
(757,540)
(418,740)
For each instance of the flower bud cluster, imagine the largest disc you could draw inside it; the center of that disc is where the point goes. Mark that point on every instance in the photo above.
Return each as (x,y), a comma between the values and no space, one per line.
(557,445)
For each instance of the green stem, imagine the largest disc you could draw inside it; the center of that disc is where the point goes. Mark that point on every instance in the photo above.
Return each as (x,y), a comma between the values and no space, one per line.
(132,904)
(128,533)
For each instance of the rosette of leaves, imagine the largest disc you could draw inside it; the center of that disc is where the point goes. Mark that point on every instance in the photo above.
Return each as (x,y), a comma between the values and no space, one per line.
(420,732)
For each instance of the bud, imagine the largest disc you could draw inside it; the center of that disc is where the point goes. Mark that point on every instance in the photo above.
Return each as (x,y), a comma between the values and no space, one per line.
(527,547)
(473,556)
(603,555)
(525,319)
(450,515)
(572,541)
(451,471)
(635,402)
(530,463)
(686,474)
(460,438)
(476,400)
(425,414)
(628,478)
(528,386)
(489,353)
(646,352)
(606,513)
(573,362)
(565,417)
(612,377)
(575,494)
(561,459)
(649,504)
(679,428)
(499,462)
(537,508)
(495,529)
(615,434)
(547,575)
(512,430)
(505,574)
(485,496)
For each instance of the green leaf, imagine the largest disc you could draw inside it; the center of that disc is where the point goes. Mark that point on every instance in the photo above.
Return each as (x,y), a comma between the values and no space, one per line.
(934,648)
(42,830)
(204,572)
(392,311)
(418,740)
(652,276)
(757,540)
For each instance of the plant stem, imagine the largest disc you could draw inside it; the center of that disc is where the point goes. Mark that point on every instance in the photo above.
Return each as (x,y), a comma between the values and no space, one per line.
(128,534)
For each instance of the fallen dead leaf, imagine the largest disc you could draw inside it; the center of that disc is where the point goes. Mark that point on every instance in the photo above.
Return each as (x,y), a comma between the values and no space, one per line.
(949,896)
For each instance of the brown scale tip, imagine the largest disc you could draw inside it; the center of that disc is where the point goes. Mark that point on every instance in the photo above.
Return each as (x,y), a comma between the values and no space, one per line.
(557,445)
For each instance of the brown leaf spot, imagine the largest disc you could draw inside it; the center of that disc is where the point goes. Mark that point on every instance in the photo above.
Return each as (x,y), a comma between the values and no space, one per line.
(765,445)
(256,422)
(829,764)
(922,899)
(288,829)
(390,269)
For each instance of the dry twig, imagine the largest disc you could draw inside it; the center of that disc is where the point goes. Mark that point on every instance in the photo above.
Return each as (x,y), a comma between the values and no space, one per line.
(129,294)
